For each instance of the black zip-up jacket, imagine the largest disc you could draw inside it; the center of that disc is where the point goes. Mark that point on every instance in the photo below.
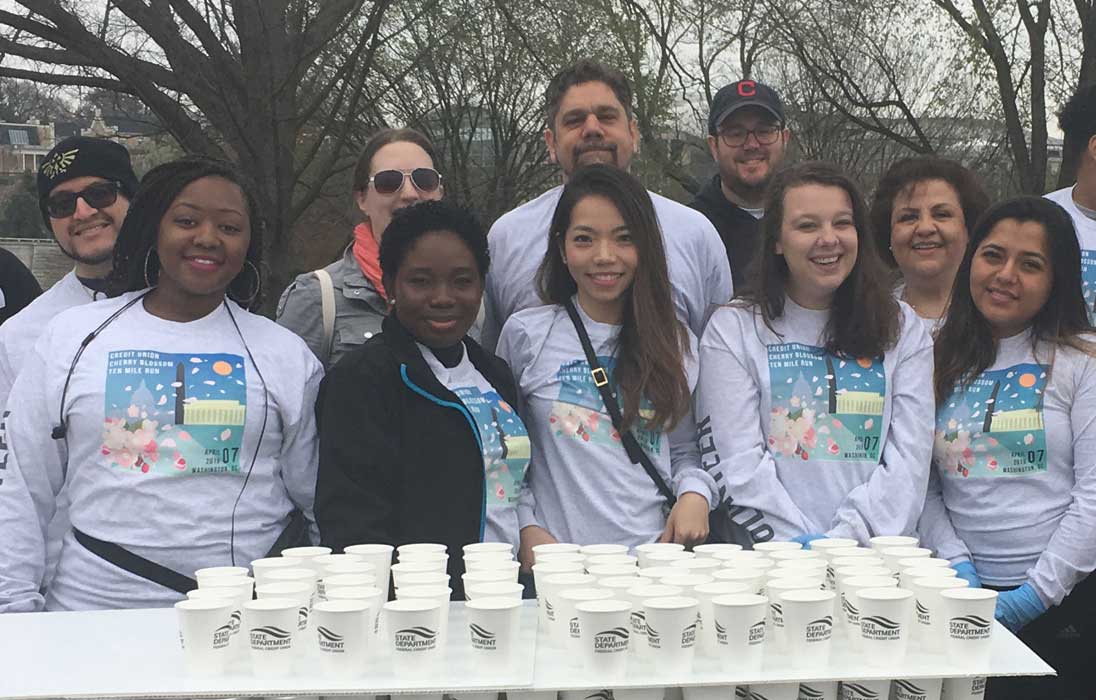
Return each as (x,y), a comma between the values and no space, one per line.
(400,455)
(737,227)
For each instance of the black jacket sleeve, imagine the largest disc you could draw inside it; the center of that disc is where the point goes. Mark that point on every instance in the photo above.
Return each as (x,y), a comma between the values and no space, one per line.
(19,285)
(359,489)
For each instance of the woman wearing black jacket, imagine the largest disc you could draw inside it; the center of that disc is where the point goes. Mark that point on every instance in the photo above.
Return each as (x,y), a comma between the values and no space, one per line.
(419,437)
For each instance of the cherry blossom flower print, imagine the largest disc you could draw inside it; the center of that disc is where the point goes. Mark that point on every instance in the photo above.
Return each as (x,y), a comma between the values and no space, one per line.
(580,414)
(174,414)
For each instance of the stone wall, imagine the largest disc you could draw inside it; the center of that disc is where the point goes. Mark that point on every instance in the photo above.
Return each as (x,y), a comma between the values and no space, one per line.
(42,256)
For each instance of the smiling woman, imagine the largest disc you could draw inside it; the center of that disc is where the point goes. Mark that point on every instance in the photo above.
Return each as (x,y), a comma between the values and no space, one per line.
(187,424)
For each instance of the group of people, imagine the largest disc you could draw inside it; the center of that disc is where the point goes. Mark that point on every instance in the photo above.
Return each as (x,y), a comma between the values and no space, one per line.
(781,359)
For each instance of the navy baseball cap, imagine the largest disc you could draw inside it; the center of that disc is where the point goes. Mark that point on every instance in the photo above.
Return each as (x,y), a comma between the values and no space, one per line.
(744,93)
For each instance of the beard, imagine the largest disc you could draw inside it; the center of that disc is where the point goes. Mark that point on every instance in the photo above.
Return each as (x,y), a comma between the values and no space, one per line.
(88,259)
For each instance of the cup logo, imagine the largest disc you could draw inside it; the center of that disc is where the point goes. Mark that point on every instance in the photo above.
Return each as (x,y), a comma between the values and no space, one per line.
(412,639)
(302,617)
(879,628)
(688,636)
(852,613)
(549,611)
(234,621)
(969,627)
(573,627)
(820,630)
(757,633)
(978,685)
(720,633)
(855,691)
(611,641)
(270,638)
(330,641)
(777,611)
(654,639)
(222,635)
(741,693)
(482,639)
(924,616)
(599,695)
(905,690)
(806,692)
(639,622)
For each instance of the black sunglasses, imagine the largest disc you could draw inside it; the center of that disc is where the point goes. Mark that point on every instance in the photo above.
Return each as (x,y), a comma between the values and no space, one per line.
(97,196)
(389,181)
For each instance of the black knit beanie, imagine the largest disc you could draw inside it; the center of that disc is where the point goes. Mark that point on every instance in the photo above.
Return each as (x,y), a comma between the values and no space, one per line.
(79,156)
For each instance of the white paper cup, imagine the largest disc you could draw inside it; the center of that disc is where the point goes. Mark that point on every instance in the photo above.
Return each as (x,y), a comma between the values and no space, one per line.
(439,594)
(776,546)
(813,567)
(370,595)
(774,691)
(347,567)
(740,630)
(619,584)
(704,593)
(849,558)
(309,552)
(415,567)
(413,636)
(686,581)
(554,548)
(487,555)
(710,550)
(790,554)
(493,630)
(964,688)
(844,572)
(665,557)
(916,689)
(205,631)
(416,548)
(893,555)
(294,575)
(425,579)
(656,573)
(567,614)
(644,549)
(338,580)
(968,623)
(754,578)
(865,690)
(343,632)
(611,560)
(548,587)
(698,565)
(299,591)
(541,571)
(604,633)
(438,560)
(479,547)
(818,690)
(495,589)
(211,572)
(593,550)
(733,558)
(850,606)
(573,557)
(828,544)
(907,575)
(928,609)
(671,633)
(808,627)
(607,570)
(886,618)
(884,541)
(379,555)
(272,635)
(261,567)
(242,586)
(508,565)
(636,596)
(774,590)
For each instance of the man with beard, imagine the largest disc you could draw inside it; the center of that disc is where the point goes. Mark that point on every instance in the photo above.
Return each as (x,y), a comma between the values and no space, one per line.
(747,139)
(589,120)
(84,188)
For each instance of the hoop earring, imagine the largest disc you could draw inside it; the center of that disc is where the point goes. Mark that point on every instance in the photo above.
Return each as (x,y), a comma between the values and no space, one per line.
(256,288)
(148,280)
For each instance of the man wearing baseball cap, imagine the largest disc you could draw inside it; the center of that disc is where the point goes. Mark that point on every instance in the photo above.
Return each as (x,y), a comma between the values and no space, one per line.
(747,138)
(84,188)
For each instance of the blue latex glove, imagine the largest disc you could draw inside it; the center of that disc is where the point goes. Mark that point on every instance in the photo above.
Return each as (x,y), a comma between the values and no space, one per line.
(1018,607)
(966,571)
(806,540)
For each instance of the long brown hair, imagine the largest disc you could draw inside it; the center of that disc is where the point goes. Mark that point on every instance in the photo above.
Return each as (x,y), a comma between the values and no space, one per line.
(653,342)
(965,346)
(864,317)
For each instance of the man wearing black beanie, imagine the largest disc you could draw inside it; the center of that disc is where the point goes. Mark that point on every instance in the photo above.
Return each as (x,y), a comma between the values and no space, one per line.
(84,188)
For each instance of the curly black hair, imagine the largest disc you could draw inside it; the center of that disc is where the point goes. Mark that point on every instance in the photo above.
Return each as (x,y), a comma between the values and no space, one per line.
(409,224)
(135,262)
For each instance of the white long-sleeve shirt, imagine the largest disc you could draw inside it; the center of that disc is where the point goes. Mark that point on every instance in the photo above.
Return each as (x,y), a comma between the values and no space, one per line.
(1014,483)
(813,442)
(1086,237)
(163,423)
(582,487)
(700,274)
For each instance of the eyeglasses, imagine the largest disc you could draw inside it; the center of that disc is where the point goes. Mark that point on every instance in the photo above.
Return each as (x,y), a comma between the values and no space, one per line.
(390,181)
(98,195)
(737,136)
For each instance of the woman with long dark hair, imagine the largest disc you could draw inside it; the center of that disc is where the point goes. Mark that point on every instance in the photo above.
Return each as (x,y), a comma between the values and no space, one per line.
(832,365)
(1014,485)
(178,424)
(606,260)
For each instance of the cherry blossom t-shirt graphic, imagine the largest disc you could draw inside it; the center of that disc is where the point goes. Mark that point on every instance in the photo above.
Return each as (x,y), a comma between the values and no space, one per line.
(1088,282)
(174,414)
(994,427)
(505,444)
(580,414)
(824,406)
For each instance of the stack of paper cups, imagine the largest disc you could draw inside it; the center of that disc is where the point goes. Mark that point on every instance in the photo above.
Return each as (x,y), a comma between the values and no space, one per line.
(808,627)
(886,616)
(740,630)
(671,633)
(493,630)
(968,624)
(344,629)
(272,635)
(604,634)
(413,636)
(205,631)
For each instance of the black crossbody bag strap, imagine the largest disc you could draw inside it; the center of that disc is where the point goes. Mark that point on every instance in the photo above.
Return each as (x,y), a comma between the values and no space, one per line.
(601,380)
(135,564)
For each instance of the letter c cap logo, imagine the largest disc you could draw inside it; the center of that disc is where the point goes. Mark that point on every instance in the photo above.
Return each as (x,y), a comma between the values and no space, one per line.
(747,88)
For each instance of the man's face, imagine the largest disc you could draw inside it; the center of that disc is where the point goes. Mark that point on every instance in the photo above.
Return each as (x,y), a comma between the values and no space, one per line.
(591,127)
(746,166)
(88,234)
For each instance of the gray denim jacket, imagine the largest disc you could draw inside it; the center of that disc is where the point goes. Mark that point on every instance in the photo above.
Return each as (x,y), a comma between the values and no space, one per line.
(359,309)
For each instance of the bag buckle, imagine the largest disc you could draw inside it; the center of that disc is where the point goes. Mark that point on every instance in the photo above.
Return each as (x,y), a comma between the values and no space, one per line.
(600,378)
